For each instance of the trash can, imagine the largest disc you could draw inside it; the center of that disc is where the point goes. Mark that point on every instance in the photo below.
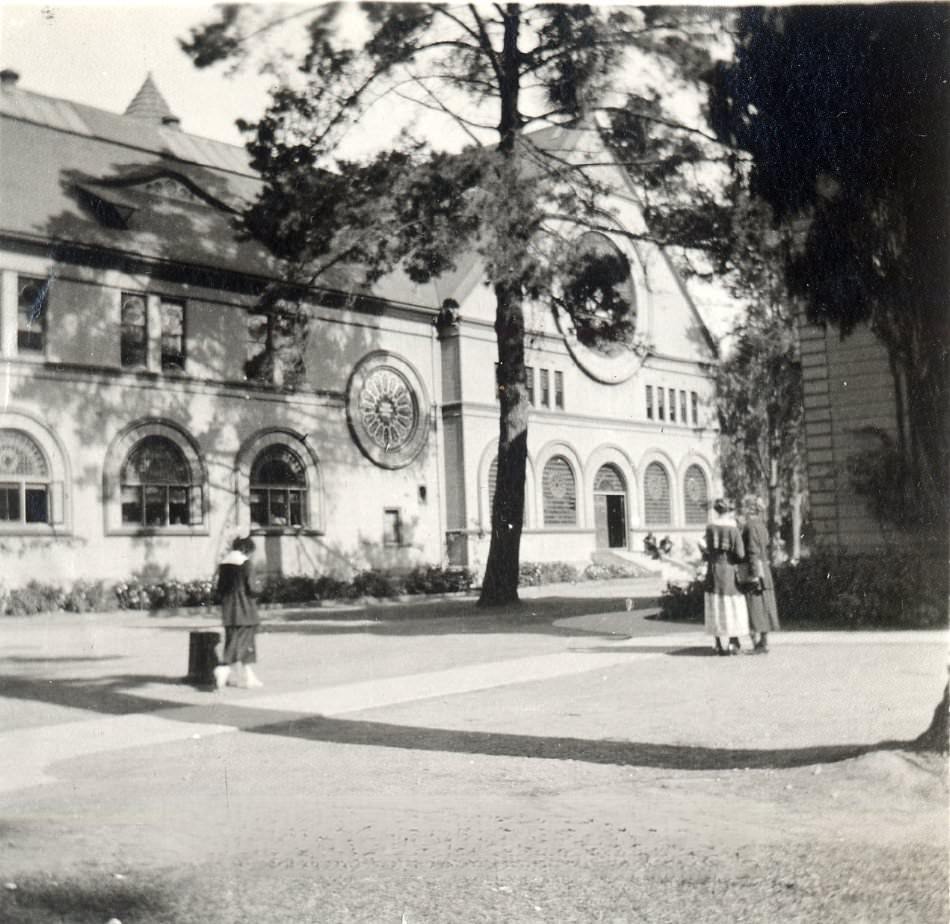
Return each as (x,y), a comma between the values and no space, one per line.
(202,657)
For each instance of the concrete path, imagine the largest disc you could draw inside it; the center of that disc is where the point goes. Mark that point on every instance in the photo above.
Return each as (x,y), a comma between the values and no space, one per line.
(26,754)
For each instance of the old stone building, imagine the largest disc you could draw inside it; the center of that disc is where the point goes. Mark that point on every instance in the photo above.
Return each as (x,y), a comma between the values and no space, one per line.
(139,430)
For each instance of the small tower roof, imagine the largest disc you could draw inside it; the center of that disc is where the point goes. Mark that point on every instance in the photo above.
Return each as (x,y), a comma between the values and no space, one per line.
(149,104)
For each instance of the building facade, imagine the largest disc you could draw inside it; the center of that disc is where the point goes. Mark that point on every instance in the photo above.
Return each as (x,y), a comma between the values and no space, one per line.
(140,430)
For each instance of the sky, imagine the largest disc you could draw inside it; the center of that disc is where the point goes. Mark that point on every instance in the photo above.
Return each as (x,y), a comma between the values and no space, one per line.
(100,55)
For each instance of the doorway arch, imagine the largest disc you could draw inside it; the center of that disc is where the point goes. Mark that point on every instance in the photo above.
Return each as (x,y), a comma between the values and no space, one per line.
(610,508)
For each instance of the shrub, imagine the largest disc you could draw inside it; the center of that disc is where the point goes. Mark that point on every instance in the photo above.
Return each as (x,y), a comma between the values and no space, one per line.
(841,590)
(433,579)
(884,590)
(34,598)
(376,584)
(89,597)
(683,604)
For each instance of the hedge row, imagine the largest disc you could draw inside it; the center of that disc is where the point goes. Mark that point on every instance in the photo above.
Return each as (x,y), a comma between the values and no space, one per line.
(97,596)
(881,590)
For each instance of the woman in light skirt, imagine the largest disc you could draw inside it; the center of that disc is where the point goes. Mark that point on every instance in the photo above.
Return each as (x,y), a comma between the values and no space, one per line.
(726,616)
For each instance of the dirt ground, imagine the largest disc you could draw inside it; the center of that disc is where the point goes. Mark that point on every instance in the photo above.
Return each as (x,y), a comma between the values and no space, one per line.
(664,786)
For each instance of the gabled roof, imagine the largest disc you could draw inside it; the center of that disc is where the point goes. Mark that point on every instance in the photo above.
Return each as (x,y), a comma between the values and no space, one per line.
(78,174)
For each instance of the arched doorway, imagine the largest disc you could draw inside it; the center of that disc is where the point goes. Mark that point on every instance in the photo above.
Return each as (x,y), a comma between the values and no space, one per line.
(610,508)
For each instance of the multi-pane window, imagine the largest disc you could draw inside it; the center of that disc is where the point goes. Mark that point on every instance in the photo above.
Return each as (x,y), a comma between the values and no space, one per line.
(278,488)
(545,388)
(649,402)
(695,401)
(673,405)
(156,486)
(661,403)
(31,314)
(695,496)
(392,526)
(657,509)
(173,334)
(683,418)
(559,493)
(256,348)
(24,480)
(134,342)
(529,383)
(559,390)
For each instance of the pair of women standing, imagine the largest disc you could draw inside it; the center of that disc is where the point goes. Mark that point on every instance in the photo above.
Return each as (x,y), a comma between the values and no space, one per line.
(730,606)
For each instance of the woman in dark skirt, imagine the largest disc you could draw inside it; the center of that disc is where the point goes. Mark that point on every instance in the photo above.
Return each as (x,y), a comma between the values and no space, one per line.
(760,591)
(239,617)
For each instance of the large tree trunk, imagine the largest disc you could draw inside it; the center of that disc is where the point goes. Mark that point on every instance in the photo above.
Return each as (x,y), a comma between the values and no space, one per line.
(937,738)
(500,583)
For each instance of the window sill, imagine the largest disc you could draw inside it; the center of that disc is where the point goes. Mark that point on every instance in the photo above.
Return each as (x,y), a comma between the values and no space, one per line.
(33,530)
(158,531)
(285,531)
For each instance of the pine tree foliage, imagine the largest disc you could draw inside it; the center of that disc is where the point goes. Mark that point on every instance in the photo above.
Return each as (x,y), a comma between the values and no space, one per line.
(844,113)
(497,74)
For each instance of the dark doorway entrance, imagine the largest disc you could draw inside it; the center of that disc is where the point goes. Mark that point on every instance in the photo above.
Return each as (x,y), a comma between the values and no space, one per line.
(610,513)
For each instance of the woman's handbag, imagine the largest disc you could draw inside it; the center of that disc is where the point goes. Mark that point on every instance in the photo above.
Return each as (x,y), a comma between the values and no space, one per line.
(745,575)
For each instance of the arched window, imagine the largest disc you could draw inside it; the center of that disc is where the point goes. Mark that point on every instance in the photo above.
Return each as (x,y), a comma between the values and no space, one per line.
(559,493)
(657,509)
(156,486)
(278,488)
(492,485)
(695,496)
(24,480)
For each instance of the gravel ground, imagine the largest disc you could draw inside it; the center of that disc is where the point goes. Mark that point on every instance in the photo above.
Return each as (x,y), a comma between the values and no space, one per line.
(674,788)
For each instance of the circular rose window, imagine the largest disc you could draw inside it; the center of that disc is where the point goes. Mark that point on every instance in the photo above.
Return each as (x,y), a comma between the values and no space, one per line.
(597,316)
(387,410)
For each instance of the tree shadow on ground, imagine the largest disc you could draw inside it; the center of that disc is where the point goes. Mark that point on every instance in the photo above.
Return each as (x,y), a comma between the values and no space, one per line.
(114,696)
(595,751)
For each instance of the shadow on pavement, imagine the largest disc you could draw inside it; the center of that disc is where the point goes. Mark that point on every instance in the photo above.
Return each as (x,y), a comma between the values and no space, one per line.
(114,696)
(621,753)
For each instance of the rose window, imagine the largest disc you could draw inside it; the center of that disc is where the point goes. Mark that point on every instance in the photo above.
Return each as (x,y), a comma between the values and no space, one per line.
(387,409)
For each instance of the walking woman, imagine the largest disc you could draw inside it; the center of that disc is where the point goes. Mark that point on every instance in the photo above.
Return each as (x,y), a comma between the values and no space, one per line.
(725,605)
(239,617)
(760,592)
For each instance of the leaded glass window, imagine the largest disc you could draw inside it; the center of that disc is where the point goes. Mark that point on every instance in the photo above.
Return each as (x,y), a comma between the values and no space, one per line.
(559,493)
(657,508)
(24,480)
(156,486)
(695,496)
(278,488)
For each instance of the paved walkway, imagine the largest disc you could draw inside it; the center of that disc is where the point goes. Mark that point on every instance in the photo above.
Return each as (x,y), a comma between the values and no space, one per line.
(61,697)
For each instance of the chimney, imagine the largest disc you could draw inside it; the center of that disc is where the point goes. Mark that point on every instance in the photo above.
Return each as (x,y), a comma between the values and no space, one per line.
(8,79)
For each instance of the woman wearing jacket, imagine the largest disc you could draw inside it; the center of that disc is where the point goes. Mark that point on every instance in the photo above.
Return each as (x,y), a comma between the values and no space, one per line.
(724,604)
(760,592)
(239,617)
